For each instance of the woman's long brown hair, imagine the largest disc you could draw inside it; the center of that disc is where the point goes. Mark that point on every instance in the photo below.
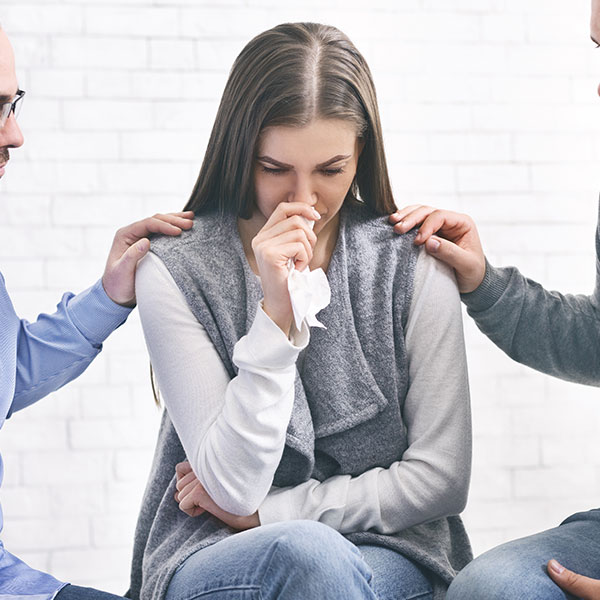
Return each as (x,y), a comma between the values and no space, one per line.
(290,75)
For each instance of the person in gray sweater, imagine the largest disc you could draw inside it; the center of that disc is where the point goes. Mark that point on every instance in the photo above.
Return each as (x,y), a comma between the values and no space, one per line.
(554,333)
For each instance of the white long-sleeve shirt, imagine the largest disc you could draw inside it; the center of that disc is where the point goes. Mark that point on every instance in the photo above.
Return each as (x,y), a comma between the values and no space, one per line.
(233,431)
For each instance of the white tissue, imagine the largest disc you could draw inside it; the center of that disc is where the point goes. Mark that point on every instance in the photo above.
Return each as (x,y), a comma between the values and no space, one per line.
(309,293)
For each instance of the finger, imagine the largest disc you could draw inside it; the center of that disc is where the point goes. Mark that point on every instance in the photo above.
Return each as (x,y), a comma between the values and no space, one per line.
(194,512)
(195,488)
(448,252)
(285,239)
(183,468)
(183,481)
(436,222)
(178,219)
(292,229)
(302,257)
(192,498)
(468,265)
(413,218)
(299,252)
(119,276)
(578,585)
(450,225)
(279,251)
(158,224)
(292,223)
(284,210)
(405,212)
(124,267)
(402,212)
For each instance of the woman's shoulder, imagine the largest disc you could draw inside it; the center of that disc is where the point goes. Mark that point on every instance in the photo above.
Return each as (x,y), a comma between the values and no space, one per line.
(207,230)
(364,228)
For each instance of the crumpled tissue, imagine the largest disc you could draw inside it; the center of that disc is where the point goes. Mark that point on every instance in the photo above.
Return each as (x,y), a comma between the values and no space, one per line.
(309,293)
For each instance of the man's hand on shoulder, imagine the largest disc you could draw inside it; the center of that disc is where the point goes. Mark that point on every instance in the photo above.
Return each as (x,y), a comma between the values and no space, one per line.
(578,585)
(130,244)
(450,237)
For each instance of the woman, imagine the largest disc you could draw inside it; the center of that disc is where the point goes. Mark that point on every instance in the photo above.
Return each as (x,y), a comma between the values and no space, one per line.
(342,453)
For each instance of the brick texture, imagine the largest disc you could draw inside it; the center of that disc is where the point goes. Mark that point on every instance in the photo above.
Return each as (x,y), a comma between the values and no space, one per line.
(488,107)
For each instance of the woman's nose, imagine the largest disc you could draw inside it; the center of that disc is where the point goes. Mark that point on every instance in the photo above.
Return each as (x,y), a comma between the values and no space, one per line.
(303,193)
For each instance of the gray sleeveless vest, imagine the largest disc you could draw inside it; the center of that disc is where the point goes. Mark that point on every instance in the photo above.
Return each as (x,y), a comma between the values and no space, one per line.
(350,386)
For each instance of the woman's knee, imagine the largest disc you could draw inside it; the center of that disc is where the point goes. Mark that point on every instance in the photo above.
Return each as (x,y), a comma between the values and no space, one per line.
(317,553)
(312,544)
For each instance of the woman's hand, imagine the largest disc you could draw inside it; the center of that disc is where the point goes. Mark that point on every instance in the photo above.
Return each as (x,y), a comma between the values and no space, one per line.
(457,244)
(286,235)
(578,585)
(130,245)
(193,500)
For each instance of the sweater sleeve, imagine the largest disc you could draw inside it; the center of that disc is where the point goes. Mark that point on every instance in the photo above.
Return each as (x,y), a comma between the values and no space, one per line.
(553,333)
(232,431)
(431,481)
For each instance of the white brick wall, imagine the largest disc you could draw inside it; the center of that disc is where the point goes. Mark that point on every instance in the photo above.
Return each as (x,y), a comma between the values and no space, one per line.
(488,107)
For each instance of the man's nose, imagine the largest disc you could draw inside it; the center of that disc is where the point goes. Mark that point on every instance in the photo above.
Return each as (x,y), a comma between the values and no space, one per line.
(11,135)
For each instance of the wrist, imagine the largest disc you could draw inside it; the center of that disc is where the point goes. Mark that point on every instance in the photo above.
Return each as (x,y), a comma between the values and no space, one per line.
(280,313)
(121,300)
(489,291)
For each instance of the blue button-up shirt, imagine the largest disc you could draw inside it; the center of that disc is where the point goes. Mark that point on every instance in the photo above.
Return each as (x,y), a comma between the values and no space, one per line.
(36,359)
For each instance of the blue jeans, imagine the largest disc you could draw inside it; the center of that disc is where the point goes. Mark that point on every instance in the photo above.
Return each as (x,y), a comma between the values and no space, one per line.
(74,592)
(517,570)
(296,560)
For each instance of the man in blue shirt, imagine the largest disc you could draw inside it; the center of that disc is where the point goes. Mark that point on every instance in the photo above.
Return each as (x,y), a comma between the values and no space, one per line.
(38,358)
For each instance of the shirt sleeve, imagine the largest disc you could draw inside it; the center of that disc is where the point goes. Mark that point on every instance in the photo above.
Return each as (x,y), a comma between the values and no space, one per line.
(553,333)
(232,430)
(432,479)
(57,348)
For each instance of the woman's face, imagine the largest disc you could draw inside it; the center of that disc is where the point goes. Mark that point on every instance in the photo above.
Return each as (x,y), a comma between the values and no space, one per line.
(315,164)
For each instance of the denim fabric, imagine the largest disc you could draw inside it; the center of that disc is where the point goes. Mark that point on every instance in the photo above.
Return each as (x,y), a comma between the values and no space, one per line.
(74,592)
(517,569)
(395,577)
(292,560)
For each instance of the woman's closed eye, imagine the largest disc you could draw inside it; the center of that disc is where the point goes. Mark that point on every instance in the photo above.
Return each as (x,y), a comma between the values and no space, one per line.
(331,172)
(273,170)
(280,171)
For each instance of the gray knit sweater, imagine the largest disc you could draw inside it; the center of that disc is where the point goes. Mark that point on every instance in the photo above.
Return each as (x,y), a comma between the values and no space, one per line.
(553,333)
(344,421)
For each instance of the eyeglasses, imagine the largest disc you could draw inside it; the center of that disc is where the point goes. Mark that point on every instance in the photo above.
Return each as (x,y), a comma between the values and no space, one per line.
(13,106)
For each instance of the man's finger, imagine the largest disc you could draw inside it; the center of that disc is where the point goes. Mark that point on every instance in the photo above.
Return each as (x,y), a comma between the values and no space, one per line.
(414,218)
(578,585)
(401,213)
(447,252)
(469,269)
(151,225)
(124,268)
